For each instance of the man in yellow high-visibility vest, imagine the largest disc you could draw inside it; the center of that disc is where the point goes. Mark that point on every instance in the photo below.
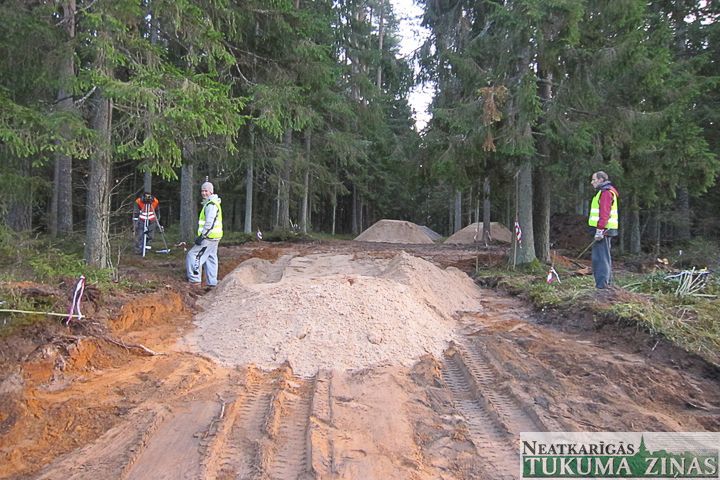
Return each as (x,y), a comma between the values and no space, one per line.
(209,233)
(604,219)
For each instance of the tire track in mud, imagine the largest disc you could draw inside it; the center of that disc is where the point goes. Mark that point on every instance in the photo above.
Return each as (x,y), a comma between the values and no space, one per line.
(485,428)
(235,451)
(495,418)
(515,416)
(265,431)
(321,455)
(288,456)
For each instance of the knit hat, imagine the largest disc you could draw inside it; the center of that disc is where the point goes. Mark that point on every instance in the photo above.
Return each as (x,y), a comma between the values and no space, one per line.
(207,186)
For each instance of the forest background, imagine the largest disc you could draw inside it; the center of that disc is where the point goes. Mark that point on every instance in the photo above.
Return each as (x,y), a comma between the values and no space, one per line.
(297,111)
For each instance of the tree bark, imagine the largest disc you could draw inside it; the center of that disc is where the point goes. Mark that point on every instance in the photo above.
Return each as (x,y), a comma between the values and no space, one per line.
(284,186)
(525,252)
(61,212)
(147,182)
(355,210)
(19,214)
(658,229)
(583,204)
(381,38)
(333,202)
(541,179)
(683,214)
(486,210)
(97,242)
(306,185)
(622,231)
(188,212)
(634,218)
(541,213)
(470,200)
(458,210)
(249,181)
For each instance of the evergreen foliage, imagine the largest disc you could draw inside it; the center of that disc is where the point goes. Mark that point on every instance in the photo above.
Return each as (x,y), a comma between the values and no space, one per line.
(617,86)
(298,111)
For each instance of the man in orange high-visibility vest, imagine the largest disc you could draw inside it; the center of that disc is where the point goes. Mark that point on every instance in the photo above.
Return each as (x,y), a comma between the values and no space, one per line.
(604,219)
(145,220)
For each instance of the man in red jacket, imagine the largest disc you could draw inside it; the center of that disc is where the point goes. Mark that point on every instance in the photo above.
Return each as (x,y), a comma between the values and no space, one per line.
(604,218)
(145,220)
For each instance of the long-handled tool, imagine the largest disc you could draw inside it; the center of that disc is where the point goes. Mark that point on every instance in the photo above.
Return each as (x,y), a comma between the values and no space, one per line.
(586,249)
(162,235)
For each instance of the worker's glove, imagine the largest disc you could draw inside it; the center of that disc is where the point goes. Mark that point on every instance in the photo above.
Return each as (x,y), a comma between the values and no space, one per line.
(599,234)
(198,240)
(161,229)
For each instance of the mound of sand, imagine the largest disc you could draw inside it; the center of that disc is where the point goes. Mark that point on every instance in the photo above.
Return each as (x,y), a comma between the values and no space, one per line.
(333,312)
(498,233)
(394,231)
(431,233)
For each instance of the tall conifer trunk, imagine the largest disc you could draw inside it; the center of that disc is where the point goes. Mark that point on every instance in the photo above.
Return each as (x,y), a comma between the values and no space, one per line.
(152,25)
(683,214)
(541,179)
(97,243)
(355,226)
(304,221)
(526,250)
(634,225)
(541,211)
(188,212)
(457,224)
(381,38)
(61,209)
(249,181)
(333,202)
(19,214)
(284,184)
(486,210)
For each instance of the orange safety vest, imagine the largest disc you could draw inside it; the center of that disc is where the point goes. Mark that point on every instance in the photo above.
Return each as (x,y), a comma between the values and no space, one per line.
(147,210)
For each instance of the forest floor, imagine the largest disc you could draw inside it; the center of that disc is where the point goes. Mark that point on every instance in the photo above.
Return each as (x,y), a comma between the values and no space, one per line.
(343,360)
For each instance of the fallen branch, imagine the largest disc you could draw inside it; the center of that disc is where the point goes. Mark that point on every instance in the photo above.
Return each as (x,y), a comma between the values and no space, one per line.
(129,345)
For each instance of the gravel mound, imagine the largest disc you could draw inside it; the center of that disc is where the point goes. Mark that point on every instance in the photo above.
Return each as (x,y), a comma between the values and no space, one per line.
(430,233)
(474,232)
(394,231)
(332,311)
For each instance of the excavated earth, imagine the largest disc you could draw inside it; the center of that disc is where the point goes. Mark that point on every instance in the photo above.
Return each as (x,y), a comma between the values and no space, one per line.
(339,360)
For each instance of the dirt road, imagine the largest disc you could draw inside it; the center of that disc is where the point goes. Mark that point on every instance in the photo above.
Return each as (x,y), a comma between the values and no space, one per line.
(338,361)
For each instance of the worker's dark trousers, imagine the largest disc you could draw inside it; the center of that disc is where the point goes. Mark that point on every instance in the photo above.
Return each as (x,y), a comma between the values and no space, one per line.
(602,263)
(139,230)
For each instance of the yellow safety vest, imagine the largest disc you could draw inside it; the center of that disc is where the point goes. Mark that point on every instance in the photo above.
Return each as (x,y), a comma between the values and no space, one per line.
(613,221)
(217,228)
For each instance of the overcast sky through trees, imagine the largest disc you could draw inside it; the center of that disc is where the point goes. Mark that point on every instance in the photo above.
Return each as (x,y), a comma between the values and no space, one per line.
(413,35)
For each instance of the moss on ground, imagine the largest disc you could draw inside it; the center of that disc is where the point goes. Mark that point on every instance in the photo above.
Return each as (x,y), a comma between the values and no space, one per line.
(691,322)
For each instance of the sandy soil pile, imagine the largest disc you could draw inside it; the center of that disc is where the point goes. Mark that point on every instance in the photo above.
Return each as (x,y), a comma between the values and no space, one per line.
(498,233)
(430,233)
(394,231)
(332,311)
